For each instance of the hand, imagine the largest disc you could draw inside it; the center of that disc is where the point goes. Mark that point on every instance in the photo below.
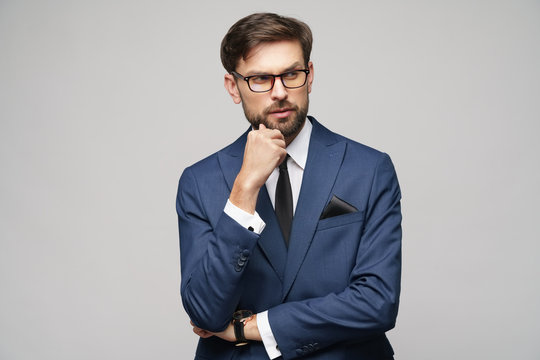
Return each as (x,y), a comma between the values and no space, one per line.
(264,151)
(251,331)
(227,334)
(201,332)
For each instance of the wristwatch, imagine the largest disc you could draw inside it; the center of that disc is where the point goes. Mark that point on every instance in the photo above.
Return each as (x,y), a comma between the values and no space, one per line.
(240,318)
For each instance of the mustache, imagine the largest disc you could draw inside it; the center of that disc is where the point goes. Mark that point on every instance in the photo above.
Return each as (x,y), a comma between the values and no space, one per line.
(282,104)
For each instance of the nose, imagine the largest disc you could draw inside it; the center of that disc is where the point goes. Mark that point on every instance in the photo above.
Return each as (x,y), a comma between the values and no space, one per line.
(278,92)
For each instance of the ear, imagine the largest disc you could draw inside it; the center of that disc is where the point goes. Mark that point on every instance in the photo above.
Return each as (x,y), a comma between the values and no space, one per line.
(310,76)
(232,88)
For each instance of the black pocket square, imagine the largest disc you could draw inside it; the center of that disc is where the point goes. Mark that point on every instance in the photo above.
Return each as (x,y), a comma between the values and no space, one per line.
(336,207)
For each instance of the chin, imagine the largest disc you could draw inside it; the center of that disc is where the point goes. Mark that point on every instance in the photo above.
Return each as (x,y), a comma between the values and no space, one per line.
(279,124)
(290,127)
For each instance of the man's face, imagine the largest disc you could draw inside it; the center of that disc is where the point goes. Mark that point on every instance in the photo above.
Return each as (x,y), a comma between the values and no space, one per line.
(280,108)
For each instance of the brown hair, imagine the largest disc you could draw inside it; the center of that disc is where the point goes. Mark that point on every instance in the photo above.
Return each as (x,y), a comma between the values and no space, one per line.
(259,28)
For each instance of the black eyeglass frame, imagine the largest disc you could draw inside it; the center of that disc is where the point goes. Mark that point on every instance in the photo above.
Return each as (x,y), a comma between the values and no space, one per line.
(246,79)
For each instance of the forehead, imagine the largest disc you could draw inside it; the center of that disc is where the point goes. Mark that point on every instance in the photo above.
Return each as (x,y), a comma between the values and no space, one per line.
(272,58)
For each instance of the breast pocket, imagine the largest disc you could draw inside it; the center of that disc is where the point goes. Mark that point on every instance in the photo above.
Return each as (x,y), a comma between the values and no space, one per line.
(340,220)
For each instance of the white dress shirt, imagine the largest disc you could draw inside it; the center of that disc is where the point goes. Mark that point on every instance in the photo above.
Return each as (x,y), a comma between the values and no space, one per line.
(298,152)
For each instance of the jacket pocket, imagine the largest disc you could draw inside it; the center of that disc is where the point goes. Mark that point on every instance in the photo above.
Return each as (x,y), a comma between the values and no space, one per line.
(340,220)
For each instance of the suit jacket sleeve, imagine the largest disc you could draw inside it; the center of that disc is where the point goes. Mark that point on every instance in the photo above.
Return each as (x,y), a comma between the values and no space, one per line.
(213,257)
(368,306)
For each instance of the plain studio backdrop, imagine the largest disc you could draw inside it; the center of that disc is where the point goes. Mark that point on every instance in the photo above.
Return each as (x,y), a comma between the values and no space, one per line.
(104,103)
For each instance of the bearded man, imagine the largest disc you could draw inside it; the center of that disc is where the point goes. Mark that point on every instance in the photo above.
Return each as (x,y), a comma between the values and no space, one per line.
(290,237)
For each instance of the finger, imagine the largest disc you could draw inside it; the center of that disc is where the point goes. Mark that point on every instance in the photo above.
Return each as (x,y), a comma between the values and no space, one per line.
(202,333)
(272,132)
(277,134)
(205,334)
(280,142)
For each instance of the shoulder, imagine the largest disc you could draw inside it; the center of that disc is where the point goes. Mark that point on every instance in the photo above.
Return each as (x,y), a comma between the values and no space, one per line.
(206,165)
(354,150)
(212,163)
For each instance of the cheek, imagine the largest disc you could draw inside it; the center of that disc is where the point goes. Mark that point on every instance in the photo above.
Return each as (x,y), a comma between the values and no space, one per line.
(302,98)
(256,105)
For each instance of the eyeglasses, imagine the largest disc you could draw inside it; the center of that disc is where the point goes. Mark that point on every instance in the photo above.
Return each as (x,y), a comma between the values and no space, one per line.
(263,83)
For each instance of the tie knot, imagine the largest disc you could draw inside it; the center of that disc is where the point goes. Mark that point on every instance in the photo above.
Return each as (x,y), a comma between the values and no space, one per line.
(283,165)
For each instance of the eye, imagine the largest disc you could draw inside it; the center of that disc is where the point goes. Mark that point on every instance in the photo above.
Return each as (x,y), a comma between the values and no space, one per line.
(261,79)
(290,75)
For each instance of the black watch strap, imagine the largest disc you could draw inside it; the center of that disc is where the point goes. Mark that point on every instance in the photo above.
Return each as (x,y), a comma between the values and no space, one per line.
(239,319)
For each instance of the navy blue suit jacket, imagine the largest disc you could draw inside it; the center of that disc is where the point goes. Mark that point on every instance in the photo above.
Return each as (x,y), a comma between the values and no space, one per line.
(334,292)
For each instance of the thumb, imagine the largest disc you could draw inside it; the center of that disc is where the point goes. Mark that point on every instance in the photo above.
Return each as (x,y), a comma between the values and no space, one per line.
(262,127)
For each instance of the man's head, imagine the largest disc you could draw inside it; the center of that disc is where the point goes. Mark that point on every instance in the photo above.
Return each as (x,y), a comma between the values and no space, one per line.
(269,44)
(260,28)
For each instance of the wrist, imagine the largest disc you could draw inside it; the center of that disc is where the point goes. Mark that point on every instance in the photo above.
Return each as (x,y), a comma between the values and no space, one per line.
(245,327)
(240,319)
(251,330)
(244,195)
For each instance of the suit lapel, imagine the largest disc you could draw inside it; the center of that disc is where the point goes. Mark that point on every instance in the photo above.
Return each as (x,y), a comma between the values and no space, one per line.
(271,240)
(324,160)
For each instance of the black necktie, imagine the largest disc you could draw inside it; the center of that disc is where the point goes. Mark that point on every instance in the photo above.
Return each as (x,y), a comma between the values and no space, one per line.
(284,202)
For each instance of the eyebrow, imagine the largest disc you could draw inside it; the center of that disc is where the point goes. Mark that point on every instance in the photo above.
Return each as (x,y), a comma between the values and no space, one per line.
(290,68)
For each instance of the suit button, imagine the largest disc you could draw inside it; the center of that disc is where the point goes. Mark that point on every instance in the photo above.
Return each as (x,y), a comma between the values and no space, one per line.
(238,268)
(241,262)
(244,255)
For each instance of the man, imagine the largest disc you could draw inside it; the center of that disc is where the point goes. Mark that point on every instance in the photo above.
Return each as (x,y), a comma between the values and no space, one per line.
(290,237)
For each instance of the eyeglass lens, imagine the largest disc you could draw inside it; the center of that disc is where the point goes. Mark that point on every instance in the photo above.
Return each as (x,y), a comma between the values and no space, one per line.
(293,79)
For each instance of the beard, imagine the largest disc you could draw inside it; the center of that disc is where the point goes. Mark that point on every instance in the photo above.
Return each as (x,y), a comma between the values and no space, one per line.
(289,126)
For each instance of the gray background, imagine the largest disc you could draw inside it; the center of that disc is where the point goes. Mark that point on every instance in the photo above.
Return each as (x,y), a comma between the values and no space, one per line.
(103,103)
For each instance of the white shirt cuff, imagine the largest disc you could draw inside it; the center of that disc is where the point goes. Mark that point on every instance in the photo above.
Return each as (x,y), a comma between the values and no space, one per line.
(251,222)
(268,339)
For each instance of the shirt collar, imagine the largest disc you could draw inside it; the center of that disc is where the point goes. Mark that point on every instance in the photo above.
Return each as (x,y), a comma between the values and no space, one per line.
(298,148)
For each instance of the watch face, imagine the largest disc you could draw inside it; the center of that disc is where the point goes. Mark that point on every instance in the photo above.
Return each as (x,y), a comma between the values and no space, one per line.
(242,314)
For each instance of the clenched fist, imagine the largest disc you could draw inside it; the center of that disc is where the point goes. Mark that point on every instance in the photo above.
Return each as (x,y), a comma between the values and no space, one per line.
(265,150)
